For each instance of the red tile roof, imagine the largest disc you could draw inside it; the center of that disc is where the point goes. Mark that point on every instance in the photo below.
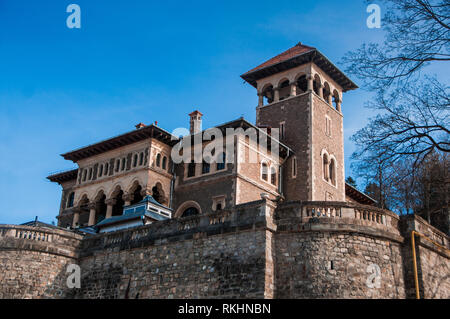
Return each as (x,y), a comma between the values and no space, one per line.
(286,55)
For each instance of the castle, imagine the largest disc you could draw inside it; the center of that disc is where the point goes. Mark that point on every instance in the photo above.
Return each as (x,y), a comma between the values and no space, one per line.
(266,213)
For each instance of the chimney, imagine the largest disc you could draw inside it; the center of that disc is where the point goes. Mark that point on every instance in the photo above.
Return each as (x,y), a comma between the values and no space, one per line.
(195,122)
(140,125)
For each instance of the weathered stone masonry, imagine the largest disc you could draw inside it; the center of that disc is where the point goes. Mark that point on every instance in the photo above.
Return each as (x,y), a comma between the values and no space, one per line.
(257,250)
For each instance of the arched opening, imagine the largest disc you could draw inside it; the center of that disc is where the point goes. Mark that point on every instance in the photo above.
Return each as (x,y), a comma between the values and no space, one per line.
(70,200)
(268,94)
(164,163)
(317,84)
(273,175)
(83,219)
(158,160)
(141,159)
(302,85)
(206,167)
(264,171)
(191,211)
(284,90)
(100,207)
(333,172)
(221,162)
(117,165)
(191,169)
(100,171)
(124,163)
(137,196)
(119,203)
(158,194)
(326,92)
(106,172)
(336,100)
(325,167)
(135,160)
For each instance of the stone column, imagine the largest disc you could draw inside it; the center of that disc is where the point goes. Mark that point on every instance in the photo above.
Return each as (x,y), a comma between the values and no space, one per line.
(92,213)
(310,80)
(320,90)
(293,89)
(276,97)
(127,199)
(338,105)
(76,217)
(330,99)
(109,207)
(260,99)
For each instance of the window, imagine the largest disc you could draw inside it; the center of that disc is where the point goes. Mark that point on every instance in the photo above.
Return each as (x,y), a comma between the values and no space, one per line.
(206,167)
(325,167)
(135,160)
(100,171)
(90,173)
(218,203)
(117,165)
(84,175)
(327,126)
(273,175)
(124,162)
(70,200)
(294,167)
(164,162)
(191,169)
(282,132)
(141,158)
(264,171)
(332,173)
(221,166)
(106,168)
(158,160)
(218,206)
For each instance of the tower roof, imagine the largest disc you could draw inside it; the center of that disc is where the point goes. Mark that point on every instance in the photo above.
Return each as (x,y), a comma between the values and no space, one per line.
(298,55)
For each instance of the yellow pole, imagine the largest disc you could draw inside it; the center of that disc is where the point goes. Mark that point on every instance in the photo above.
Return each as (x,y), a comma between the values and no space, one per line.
(416,277)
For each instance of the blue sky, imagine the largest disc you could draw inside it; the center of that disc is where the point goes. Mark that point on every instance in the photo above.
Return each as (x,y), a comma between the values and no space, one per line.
(142,61)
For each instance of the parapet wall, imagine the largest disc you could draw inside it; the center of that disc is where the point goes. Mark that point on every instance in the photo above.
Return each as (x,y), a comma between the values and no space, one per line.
(33,259)
(257,250)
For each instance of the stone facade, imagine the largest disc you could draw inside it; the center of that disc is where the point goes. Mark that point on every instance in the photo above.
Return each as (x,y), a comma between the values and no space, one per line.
(257,250)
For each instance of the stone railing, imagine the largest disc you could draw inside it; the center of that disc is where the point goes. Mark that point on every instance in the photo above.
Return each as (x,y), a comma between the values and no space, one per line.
(337,213)
(418,224)
(56,241)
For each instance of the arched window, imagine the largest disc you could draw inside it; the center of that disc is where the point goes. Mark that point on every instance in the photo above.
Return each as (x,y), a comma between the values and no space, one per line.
(285,90)
(164,163)
(141,159)
(124,162)
(158,160)
(302,85)
(191,169)
(317,84)
(135,160)
(206,167)
(264,171)
(100,171)
(90,173)
(325,167)
(191,211)
(326,92)
(106,169)
(273,175)
(70,200)
(336,100)
(84,175)
(268,93)
(333,172)
(117,165)
(221,162)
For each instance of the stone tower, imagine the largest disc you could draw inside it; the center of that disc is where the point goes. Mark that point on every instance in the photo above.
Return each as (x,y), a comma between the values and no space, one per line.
(300,92)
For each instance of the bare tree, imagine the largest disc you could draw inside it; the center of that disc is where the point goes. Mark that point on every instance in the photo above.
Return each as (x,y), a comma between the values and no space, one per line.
(417,33)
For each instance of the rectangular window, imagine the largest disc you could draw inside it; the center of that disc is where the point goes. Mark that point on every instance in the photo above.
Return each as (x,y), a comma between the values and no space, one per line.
(282,130)
(294,167)
(191,169)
